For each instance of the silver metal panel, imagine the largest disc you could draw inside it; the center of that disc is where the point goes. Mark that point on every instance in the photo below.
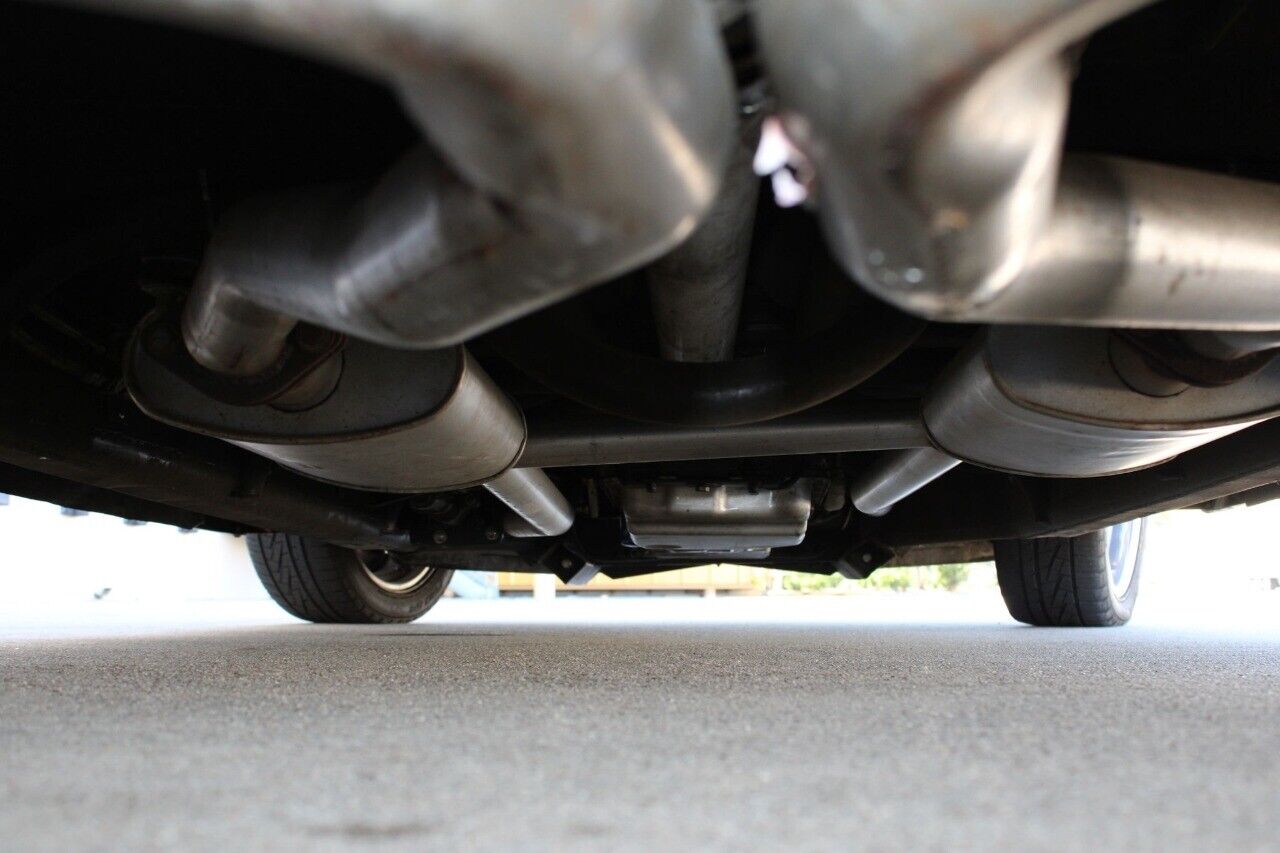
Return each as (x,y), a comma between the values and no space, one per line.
(566,437)
(716,519)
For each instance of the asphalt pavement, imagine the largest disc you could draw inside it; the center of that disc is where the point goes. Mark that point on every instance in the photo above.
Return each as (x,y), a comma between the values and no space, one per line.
(740,728)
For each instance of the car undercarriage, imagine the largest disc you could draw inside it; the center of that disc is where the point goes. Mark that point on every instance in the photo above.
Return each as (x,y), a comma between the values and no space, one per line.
(623,286)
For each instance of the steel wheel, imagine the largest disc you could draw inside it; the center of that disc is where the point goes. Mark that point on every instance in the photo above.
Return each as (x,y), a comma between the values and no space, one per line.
(1123,550)
(390,574)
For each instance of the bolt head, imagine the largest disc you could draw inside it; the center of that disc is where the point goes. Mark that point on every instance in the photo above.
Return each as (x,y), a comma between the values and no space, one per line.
(566,563)
(491,535)
(439,537)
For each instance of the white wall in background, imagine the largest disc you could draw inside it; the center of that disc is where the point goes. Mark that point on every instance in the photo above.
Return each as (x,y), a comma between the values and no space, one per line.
(48,555)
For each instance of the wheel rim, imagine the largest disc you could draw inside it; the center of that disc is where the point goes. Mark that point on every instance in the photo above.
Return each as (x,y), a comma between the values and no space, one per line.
(391,575)
(1122,555)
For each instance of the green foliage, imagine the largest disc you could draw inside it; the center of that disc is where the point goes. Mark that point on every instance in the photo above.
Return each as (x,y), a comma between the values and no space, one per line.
(805,582)
(895,579)
(952,575)
(946,578)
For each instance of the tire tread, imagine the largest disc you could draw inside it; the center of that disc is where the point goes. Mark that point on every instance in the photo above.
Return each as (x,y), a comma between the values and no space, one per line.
(1059,582)
(319,582)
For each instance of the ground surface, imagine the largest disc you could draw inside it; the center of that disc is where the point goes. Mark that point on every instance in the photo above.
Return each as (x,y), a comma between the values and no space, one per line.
(636,725)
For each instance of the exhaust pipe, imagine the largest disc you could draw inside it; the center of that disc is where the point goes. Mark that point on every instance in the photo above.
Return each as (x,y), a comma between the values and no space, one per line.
(443,425)
(697,290)
(563,147)
(1063,403)
(538,507)
(898,476)
(1136,245)
(935,133)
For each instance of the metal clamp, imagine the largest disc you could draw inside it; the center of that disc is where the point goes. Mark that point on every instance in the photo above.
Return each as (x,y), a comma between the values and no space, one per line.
(307,349)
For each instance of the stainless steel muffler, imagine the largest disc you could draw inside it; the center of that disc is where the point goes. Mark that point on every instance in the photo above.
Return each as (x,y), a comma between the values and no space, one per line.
(395,421)
(935,135)
(564,144)
(1059,402)
(935,132)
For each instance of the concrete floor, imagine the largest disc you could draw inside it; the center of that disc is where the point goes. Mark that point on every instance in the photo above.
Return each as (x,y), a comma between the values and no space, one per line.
(742,727)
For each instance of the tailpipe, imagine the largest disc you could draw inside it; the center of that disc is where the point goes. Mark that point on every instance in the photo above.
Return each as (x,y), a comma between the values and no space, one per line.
(398,421)
(562,147)
(1069,403)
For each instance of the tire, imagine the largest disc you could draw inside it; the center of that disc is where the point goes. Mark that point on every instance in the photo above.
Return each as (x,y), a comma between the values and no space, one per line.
(1087,581)
(319,582)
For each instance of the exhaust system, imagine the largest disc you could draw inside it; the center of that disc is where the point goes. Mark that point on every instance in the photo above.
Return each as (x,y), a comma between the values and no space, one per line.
(936,139)
(935,133)
(936,136)
(563,149)
(563,146)
(1065,403)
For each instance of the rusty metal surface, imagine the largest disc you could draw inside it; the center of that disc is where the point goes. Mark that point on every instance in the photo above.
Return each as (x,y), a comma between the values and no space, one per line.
(938,555)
